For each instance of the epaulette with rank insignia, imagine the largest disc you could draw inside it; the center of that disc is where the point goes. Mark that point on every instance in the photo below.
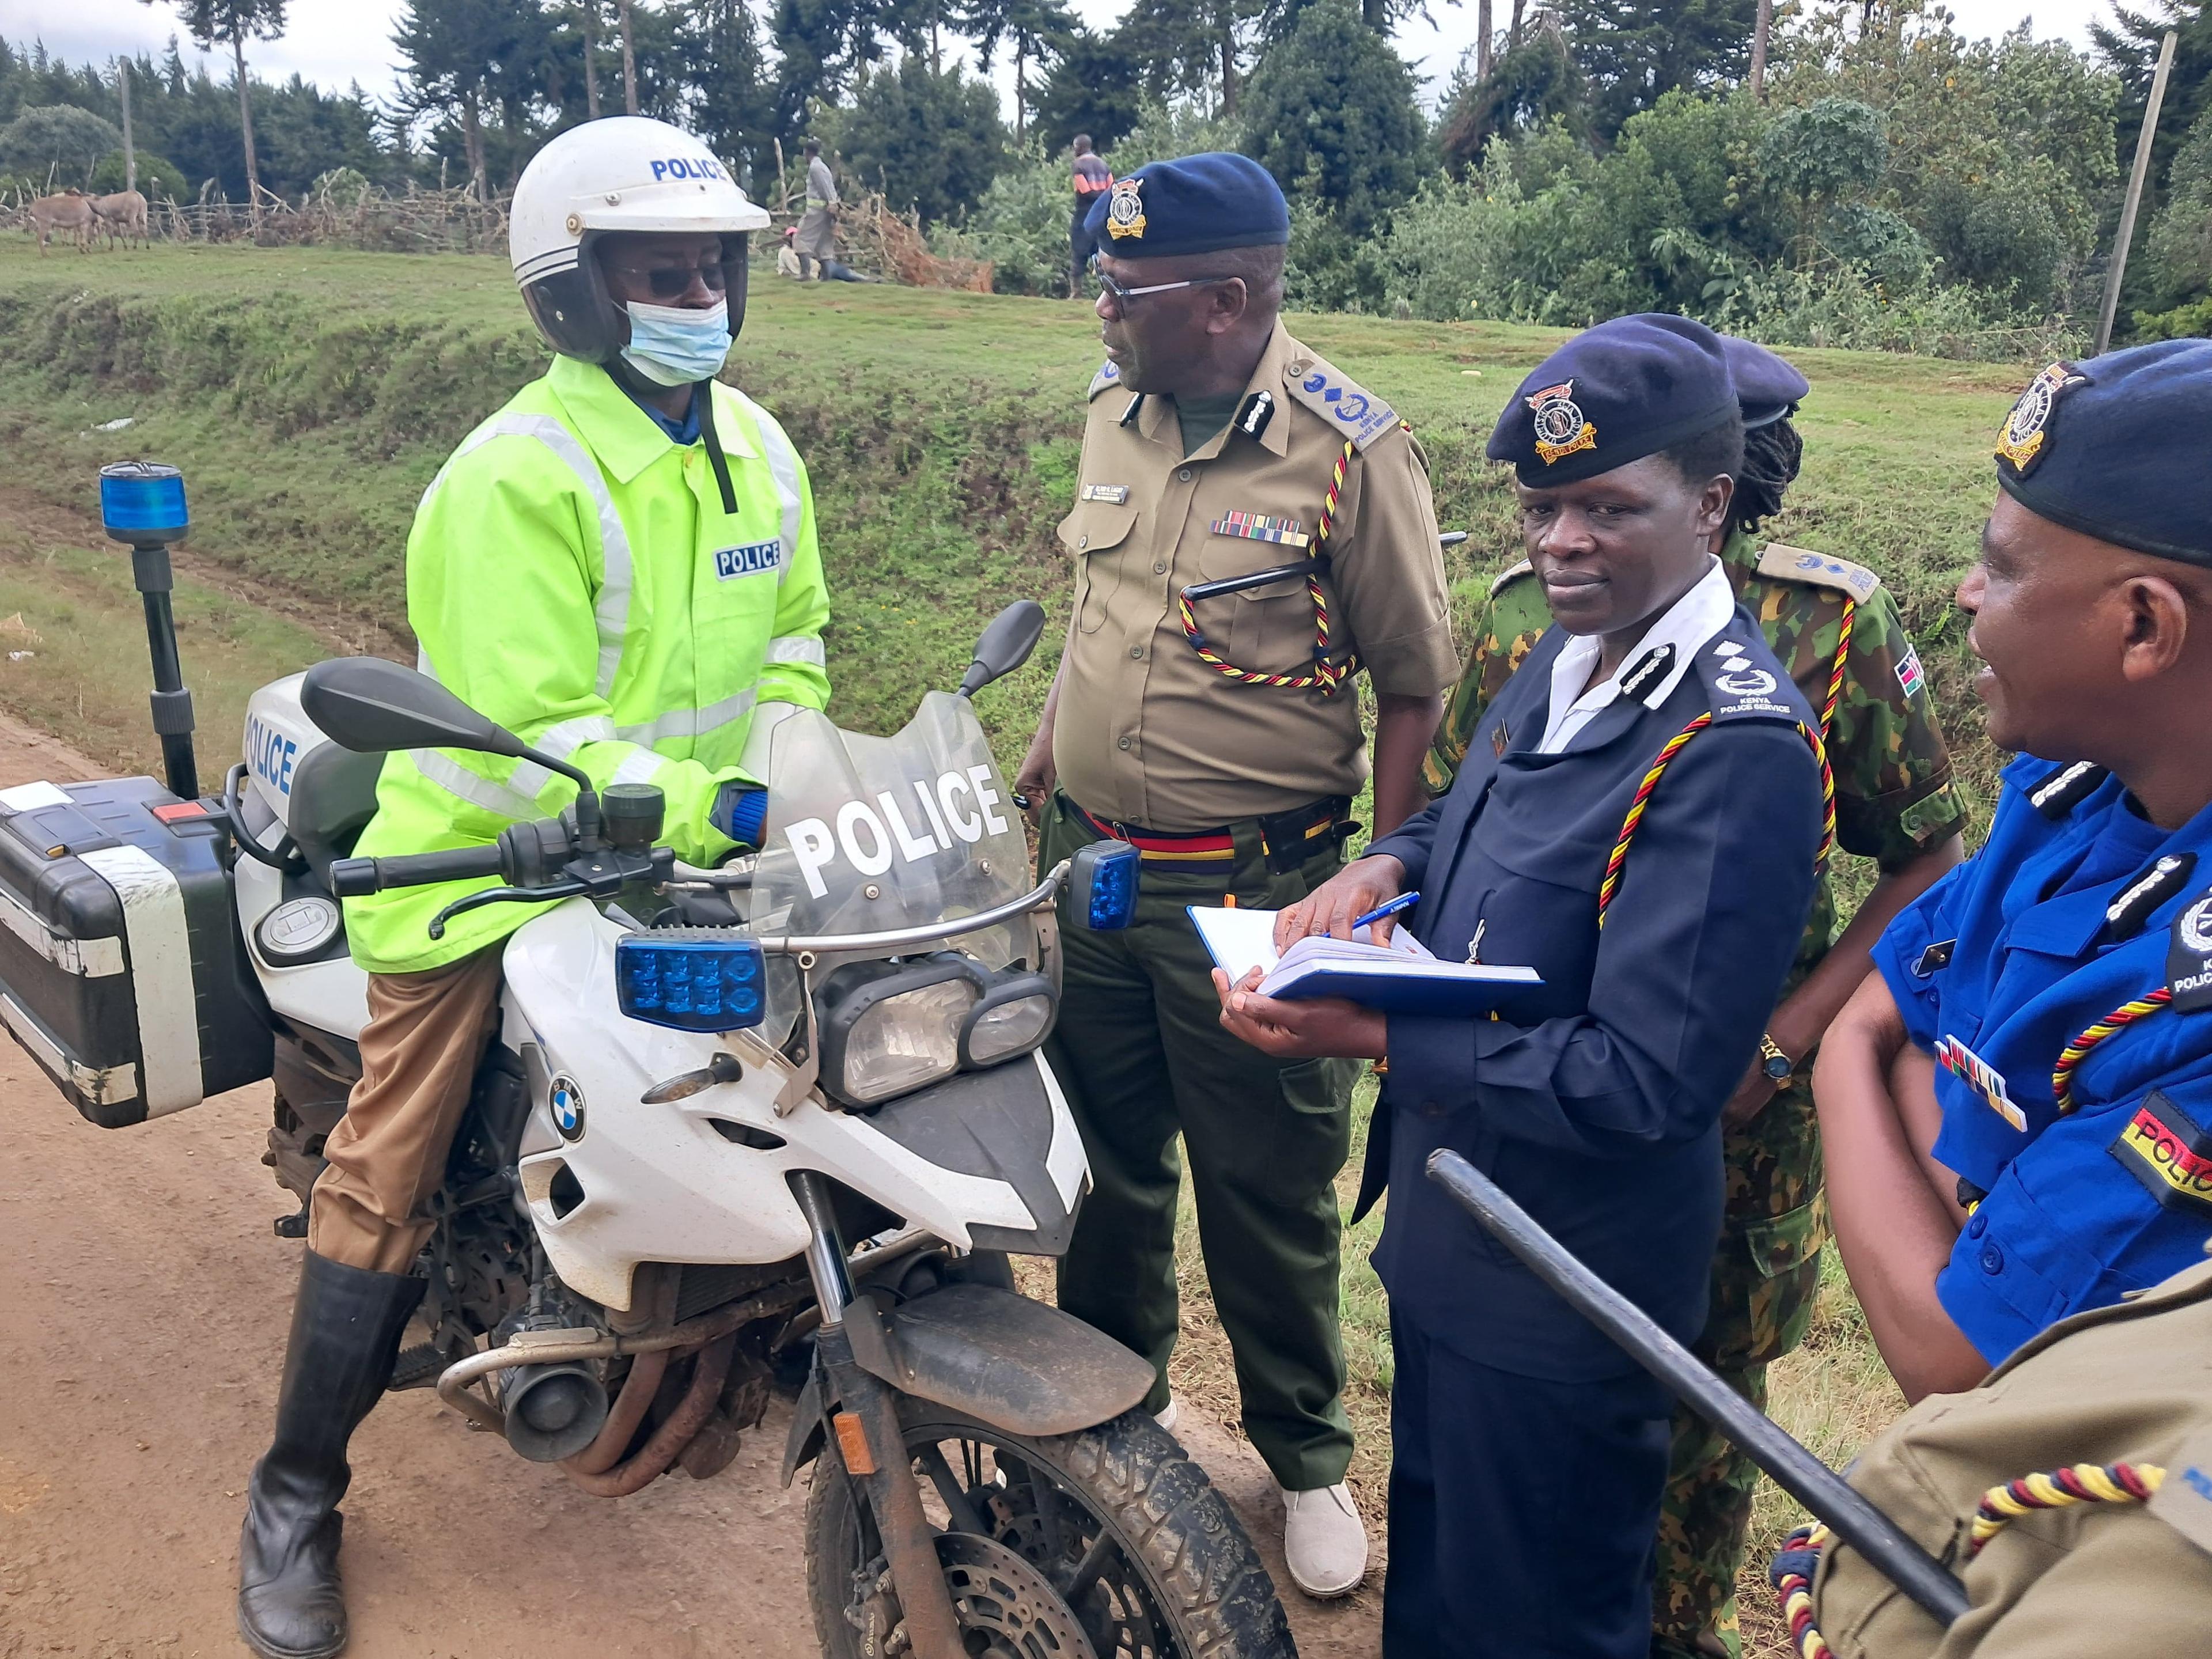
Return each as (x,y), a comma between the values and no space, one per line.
(1352,410)
(1799,565)
(1741,687)
(1512,574)
(1108,377)
(2066,788)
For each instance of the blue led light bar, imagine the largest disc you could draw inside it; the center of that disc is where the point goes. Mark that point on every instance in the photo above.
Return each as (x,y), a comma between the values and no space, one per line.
(1102,885)
(143,501)
(691,982)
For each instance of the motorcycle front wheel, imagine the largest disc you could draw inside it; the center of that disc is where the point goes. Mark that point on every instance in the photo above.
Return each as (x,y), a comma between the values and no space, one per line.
(1111,1540)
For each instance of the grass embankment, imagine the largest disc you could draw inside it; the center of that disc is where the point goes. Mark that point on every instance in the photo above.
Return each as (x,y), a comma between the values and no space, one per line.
(310,395)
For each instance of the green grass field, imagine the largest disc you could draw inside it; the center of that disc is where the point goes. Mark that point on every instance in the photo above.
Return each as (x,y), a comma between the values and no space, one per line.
(310,395)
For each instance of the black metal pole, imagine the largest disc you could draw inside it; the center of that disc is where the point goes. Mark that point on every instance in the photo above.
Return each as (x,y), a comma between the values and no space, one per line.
(1795,1470)
(172,703)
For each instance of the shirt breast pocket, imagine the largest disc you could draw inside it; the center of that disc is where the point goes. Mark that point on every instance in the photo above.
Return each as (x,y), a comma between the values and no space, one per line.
(1094,535)
(1269,627)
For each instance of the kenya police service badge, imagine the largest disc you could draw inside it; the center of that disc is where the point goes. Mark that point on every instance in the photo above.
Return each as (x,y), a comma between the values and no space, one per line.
(1560,428)
(2021,441)
(1125,210)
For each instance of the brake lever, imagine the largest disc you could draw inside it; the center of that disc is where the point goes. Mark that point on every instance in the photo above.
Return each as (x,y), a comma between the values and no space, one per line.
(559,890)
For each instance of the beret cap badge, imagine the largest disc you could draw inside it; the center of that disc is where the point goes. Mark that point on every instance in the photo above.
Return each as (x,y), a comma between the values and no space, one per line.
(1125,210)
(2022,440)
(1560,428)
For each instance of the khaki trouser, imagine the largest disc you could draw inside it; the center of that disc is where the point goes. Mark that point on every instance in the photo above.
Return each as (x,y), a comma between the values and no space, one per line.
(419,1053)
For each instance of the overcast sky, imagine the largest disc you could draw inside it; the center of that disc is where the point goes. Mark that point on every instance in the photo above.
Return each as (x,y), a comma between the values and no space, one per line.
(333,42)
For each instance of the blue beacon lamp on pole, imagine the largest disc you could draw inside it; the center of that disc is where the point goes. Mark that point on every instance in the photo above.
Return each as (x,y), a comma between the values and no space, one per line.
(142,504)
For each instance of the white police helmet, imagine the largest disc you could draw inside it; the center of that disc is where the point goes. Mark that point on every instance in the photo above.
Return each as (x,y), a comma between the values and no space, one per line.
(623,173)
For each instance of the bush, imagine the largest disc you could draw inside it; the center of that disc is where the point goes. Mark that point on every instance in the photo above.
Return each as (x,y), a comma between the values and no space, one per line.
(1020,226)
(1330,112)
(929,141)
(57,141)
(157,178)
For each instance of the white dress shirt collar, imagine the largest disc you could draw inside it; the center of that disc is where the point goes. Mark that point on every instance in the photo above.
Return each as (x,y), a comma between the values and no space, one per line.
(1686,625)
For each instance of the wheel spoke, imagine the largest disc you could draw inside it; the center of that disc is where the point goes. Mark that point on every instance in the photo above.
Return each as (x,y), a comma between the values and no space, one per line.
(955,1496)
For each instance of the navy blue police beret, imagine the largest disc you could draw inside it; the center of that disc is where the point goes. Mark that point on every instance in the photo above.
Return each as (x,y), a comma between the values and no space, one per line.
(1199,204)
(2114,448)
(1613,394)
(1766,388)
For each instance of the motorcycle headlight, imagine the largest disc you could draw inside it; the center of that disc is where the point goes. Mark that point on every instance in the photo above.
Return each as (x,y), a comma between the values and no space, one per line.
(888,1028)
(1011,1018)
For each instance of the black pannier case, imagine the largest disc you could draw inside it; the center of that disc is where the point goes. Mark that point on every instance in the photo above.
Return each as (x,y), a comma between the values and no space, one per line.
(121,972)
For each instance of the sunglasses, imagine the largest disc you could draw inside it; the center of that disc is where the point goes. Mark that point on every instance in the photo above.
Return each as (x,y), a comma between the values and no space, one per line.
(1120,296)
(674,282)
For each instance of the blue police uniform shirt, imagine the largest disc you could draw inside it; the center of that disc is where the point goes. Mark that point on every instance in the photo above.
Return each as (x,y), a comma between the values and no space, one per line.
(2072,909)
(1597,1106)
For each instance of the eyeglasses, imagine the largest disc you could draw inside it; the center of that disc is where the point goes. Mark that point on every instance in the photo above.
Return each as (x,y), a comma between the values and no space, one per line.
(1120,296)
(674,282)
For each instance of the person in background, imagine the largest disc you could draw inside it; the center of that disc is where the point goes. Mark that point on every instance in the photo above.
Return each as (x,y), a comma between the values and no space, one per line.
(1221,735)
(1838,630)
(2017,1105)
(817,241)
(787,262)
(1639,819)
(1093,178)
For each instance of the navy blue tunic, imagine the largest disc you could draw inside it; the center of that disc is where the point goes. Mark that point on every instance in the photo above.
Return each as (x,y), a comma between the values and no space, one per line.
(1528,1462)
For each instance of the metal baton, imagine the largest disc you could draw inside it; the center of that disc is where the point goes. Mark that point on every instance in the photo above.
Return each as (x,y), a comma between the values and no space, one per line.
(1795,1470)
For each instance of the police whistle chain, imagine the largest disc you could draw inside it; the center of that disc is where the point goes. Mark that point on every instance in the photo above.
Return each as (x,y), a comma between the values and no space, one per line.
(1793,1468)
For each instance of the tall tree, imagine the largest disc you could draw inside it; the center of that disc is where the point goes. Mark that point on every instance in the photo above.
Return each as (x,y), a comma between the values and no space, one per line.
(1636,50)
(2129,43)
(1198,48)
(1482,43)
(630,58)
(468,59)
(1035,29)
(1095,88)
(591,9)
(929,141)
(733,107)
(1330,112)
(1762,31)
(228,23)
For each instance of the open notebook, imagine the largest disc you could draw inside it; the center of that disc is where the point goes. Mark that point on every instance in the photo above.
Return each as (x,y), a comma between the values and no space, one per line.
(1401,977)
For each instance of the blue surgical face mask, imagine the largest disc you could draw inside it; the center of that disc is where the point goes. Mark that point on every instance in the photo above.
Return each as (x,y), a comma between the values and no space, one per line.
(674,345)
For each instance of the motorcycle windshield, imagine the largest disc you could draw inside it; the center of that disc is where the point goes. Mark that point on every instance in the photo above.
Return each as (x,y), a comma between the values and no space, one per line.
(865,834)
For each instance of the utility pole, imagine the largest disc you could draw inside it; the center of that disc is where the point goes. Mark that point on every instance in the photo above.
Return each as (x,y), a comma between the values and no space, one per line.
(591,59)
(130,153)
(630,60)
(2119,265)
(1759,32)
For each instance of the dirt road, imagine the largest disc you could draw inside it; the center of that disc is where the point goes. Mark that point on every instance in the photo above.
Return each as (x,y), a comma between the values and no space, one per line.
(144,1302)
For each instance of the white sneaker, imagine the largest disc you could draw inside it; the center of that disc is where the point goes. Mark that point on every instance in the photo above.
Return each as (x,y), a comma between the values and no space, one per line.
(1167,1414)
(1324,1541)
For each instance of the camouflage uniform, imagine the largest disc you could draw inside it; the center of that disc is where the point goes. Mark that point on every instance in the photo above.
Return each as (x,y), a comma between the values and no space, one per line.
(1894,800)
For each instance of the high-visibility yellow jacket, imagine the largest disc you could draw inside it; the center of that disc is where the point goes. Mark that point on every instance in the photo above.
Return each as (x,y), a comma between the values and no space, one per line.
(572,574)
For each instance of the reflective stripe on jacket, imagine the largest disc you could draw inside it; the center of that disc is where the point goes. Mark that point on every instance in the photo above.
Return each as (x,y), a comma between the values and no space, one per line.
(572,574)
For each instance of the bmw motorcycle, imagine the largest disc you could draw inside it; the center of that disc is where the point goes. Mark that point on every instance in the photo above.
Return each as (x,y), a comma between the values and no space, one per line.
(779,1121)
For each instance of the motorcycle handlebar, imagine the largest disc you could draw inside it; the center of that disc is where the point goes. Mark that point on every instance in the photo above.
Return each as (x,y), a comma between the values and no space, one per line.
(358,877)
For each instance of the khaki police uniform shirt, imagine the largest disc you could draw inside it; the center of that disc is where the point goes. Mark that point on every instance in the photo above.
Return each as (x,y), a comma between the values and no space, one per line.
(2129,1383)
(1146,732)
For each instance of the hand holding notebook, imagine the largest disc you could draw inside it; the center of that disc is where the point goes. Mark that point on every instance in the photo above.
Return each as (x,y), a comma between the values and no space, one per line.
(1401,976)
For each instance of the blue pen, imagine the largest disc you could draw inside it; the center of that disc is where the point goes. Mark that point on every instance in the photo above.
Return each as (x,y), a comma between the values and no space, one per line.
(1403,902)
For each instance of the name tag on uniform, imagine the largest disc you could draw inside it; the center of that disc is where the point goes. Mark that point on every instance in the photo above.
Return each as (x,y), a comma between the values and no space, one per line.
(1113,494)
(1956,1058)
(747,561)
(1259,527)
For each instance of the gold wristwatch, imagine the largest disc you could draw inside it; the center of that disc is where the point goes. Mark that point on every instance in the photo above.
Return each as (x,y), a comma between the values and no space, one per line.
(1777,1065)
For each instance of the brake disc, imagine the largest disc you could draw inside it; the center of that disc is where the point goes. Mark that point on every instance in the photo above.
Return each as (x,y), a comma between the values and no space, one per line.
(999,1596)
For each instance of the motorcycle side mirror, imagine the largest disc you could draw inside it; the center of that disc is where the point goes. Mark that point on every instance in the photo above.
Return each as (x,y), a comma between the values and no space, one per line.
(369,705)
(1006,645)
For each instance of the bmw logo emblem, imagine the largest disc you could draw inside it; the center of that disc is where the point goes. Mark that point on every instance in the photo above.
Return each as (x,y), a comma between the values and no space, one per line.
(567,1109)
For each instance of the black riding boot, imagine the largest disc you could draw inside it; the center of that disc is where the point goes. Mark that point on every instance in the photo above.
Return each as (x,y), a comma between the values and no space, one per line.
(346,1325)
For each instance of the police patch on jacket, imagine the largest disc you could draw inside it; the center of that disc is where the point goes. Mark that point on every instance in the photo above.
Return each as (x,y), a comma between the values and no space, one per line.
(2189,959)
(1742,687)
(1354,411)
(748,560)
(2163,1147)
